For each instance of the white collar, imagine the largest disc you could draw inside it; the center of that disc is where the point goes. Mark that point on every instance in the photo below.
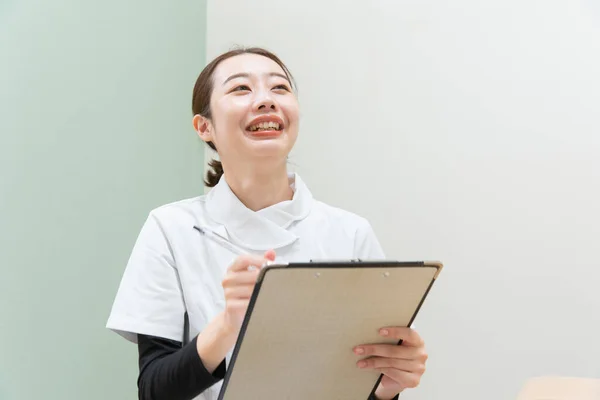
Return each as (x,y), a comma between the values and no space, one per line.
(258,230)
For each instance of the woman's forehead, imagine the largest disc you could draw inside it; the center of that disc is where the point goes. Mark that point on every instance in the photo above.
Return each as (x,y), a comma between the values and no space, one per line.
(246,65)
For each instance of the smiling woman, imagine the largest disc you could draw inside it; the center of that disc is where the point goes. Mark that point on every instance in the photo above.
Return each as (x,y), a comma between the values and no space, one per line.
(245,108)
(222,94)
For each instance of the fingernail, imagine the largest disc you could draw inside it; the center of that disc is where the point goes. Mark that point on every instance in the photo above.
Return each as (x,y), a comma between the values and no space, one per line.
(384,332)
(362,364)
(359,350)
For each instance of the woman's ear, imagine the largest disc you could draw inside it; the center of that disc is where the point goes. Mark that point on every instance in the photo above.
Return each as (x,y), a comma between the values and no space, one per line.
(203,127)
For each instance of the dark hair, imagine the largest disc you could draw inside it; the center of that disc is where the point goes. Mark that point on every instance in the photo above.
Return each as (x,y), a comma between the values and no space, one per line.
(203,91)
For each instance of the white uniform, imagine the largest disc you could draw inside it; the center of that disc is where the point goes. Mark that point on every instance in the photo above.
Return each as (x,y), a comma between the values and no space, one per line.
(173,268)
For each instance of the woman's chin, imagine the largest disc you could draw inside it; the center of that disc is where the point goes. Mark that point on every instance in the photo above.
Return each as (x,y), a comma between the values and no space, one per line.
(270,145)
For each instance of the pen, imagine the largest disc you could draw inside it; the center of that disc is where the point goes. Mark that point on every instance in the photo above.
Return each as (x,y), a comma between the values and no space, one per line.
(221,241)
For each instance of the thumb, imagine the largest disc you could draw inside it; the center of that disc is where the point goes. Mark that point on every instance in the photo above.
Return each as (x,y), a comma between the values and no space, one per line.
(270,255)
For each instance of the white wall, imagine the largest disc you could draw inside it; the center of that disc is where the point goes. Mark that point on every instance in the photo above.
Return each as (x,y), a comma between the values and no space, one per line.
(468,132)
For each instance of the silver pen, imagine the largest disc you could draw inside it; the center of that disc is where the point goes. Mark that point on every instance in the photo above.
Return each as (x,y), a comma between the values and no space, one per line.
(221,241)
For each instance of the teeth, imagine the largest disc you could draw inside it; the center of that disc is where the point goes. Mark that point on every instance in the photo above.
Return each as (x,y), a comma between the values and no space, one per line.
(265,126)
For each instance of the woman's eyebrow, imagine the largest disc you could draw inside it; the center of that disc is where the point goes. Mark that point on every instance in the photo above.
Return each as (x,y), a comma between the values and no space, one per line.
(246,75)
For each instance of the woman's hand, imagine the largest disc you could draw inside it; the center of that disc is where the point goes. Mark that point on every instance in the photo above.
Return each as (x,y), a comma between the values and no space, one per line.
(402,366)
(238,285)
(219,336)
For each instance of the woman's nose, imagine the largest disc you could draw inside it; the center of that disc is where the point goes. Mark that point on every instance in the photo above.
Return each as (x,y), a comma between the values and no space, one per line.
(264,101)
(266,105)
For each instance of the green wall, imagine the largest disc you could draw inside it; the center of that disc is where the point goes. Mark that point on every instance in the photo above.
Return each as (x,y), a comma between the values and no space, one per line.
(95,130)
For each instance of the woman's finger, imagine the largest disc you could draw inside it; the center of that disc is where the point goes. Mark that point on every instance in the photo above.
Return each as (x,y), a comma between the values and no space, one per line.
(270,255)
(409,336)
(248,260)
(390,351)
(395,363)
(240,278)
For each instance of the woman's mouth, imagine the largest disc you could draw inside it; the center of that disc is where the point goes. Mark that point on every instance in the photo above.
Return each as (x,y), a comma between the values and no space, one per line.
(265,126)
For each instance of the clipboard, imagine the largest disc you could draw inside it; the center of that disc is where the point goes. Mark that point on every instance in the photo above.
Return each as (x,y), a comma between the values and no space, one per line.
(304,319)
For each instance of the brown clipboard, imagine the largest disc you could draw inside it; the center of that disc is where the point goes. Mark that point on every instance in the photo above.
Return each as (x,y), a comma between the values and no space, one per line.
(304,319)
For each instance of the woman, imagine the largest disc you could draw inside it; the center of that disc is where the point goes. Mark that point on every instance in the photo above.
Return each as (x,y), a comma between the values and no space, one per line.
(245,108)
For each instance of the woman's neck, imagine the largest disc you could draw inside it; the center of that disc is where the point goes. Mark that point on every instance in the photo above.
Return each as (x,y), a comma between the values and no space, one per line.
(258,190)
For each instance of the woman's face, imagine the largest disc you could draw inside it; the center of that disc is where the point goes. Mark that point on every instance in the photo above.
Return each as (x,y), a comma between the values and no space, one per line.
(254,111)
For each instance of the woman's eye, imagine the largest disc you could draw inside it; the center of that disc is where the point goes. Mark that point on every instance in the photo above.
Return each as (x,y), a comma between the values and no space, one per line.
(240,88)
(282,87)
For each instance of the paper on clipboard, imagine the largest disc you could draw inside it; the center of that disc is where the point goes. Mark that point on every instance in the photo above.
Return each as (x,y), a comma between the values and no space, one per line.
(304,319)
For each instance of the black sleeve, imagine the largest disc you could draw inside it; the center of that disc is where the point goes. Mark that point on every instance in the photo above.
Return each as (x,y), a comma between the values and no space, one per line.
(169,371)
(372,397)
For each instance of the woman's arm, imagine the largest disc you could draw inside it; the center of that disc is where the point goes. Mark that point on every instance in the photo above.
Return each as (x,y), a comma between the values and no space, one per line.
(215,341)
(168,371)
(177,373)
